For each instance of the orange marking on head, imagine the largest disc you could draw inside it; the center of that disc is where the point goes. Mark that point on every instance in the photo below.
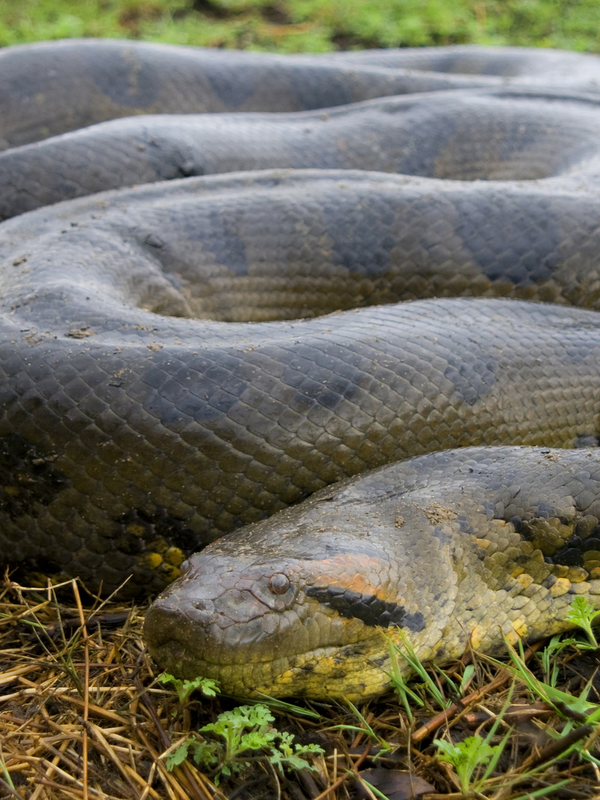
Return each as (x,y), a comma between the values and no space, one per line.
(356,573)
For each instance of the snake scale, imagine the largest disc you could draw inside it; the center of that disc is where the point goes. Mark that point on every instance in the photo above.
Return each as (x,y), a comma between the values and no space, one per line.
(201,325)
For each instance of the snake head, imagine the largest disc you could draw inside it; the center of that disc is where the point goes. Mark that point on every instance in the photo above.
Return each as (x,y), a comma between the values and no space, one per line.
(297,604)
(262,622)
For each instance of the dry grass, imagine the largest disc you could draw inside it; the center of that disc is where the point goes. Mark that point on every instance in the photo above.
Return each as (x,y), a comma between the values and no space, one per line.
(83,716)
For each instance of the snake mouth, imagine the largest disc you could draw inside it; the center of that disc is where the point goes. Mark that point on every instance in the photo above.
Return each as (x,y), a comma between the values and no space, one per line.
(352,671)
(306,624)
(183,641)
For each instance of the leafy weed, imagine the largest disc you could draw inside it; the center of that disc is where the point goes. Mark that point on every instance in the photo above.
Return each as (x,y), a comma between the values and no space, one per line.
(236,738)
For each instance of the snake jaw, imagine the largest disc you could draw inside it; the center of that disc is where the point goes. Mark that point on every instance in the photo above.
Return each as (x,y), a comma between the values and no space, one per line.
(250,658)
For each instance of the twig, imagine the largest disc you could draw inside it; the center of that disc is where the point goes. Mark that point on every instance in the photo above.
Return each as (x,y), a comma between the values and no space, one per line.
(557,746)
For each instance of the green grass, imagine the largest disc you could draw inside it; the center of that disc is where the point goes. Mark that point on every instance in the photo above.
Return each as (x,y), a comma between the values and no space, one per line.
(309,25)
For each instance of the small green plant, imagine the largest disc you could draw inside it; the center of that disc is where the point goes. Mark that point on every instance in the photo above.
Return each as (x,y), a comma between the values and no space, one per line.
(475,759)
(184,688)
(470,756)
(238,733)
(582,613)
(578,712)
(292,757)
(546,692)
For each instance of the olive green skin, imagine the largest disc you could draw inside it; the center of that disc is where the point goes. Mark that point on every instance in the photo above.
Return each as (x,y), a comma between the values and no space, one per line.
(471,547)
(157,388)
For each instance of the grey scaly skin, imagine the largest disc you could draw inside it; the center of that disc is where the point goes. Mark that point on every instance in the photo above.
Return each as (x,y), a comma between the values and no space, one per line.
(49,88)
(517,134)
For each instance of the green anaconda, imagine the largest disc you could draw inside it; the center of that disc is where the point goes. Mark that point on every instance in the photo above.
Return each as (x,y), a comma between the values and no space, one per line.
(451,549)
(170,369)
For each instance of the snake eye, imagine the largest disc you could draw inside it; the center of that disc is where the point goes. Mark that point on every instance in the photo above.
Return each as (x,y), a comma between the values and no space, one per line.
(279,583)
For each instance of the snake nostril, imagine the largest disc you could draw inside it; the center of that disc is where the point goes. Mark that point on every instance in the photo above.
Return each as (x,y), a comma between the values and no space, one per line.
(203,614)
(279,583)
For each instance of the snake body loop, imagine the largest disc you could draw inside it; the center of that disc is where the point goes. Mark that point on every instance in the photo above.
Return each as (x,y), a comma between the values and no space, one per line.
(170,369)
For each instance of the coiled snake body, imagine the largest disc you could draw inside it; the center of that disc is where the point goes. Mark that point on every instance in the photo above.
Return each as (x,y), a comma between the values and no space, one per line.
(166,373)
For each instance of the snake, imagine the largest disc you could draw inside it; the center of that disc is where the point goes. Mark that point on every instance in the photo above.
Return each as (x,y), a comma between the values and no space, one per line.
(346,304)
